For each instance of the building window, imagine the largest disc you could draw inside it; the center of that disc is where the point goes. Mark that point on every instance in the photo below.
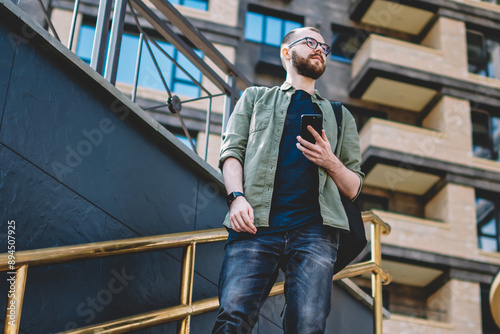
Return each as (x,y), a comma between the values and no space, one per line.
(198,4)
(488,224)
(485,135)
(177,81)
(483,54)
(346,43)
(268,29)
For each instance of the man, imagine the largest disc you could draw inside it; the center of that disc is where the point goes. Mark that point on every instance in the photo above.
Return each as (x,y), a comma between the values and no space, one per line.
(285,210)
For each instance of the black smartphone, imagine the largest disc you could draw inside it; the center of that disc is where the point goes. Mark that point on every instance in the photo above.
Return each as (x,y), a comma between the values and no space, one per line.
(316,121)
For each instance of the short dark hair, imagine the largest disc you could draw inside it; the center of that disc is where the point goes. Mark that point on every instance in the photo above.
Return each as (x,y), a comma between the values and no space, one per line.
(288,37)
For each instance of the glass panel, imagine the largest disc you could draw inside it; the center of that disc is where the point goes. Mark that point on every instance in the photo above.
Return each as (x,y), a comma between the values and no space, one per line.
(481,152)
(187,89)
(273,31)
(254,25)
(489,228)
(289,26)
(476,52)
(495,128)
(148,75)
(484,208)
(346,45)
(174,2)
(495,125)
(198,4)
(481,134)
(188,66)
(126,62)
(488,244)
(85,43)
(494,60)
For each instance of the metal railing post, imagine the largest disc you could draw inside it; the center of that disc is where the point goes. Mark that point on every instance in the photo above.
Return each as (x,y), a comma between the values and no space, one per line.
(376,251)
(15,301)
(47,18)
(73,24)
(137,67)
(101,36)
(207,127)
(187,308)
(115,40)
(186,295)
(229,101)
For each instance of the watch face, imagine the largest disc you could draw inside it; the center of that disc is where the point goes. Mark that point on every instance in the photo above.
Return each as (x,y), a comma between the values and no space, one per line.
(231,197)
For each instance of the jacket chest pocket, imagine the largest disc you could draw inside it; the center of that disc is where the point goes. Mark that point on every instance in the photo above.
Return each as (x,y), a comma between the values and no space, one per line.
(260,117)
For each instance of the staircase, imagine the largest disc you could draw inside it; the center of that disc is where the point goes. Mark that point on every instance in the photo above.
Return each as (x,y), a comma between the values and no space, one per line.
(82,167)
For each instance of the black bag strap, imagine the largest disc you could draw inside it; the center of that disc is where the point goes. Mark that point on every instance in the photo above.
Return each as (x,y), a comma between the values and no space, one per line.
(337,110)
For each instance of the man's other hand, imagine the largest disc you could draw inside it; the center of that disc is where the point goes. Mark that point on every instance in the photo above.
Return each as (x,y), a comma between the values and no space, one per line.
(241,216)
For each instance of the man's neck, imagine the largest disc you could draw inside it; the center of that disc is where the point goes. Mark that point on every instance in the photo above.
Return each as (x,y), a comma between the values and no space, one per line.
(301,82)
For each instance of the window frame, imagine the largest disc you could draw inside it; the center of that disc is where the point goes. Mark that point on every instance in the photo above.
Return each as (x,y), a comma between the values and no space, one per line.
(270,13)
(482,221)
(183,3)
(488,140)
(486,67)
(172,79)
(339,31)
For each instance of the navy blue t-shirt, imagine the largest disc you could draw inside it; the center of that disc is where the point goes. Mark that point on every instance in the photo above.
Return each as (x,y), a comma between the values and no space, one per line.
(295,197)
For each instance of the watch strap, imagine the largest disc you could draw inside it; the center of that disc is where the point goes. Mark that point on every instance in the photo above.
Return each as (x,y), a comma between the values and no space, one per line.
(232,196)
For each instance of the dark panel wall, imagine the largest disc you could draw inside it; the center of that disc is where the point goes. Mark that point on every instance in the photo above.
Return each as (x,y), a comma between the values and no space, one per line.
(78,166)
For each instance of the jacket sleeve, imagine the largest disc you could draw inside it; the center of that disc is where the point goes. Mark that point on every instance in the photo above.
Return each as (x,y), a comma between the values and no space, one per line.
(234,139)
(350,153)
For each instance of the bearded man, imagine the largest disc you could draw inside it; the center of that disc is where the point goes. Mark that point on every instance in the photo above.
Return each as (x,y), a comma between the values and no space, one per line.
(285,210)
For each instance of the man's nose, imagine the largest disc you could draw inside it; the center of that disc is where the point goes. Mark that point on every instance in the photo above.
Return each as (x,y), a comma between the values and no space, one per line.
(318,50)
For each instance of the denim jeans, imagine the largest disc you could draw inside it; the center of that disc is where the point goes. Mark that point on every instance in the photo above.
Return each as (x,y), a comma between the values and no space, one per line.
(306,255)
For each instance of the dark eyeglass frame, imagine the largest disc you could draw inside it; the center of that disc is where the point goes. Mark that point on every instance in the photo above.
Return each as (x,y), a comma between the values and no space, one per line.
(313,44)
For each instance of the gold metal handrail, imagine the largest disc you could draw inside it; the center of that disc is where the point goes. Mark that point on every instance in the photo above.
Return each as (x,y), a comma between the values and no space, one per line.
(187,308)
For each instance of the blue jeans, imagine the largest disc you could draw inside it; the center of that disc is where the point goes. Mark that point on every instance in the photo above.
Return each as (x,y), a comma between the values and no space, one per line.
(306,255)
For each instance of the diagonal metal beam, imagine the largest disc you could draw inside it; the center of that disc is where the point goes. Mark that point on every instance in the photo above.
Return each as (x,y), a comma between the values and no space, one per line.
(182,46)
(192,33)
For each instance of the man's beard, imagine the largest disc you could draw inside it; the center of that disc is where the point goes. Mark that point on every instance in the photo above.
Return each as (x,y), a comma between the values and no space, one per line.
(306,68)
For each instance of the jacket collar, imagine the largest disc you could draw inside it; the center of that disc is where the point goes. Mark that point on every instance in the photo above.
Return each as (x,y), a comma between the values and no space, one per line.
(288,86)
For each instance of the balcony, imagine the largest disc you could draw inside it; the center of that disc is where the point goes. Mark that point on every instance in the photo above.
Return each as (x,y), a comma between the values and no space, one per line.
(398,157)
(412,76)
(398,16)
(415,16)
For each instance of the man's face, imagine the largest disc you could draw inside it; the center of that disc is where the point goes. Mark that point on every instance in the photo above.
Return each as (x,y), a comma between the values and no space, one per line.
(306,61)
(311,66)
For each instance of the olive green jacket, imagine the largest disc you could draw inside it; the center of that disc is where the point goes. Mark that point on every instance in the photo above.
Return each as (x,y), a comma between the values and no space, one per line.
(253,137)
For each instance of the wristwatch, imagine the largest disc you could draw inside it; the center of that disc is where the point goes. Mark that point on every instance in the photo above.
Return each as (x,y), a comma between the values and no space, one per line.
(232,196)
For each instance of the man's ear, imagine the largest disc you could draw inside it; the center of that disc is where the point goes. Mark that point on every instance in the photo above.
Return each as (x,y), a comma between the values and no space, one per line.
(285,54)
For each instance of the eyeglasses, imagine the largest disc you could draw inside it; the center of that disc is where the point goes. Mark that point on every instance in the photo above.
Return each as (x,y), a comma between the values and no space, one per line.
(313,44)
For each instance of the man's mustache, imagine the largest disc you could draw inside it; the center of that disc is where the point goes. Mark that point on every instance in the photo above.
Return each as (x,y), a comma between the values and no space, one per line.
(316,55)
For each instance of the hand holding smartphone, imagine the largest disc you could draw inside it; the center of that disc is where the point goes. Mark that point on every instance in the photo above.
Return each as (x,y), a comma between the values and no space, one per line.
(316,121)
